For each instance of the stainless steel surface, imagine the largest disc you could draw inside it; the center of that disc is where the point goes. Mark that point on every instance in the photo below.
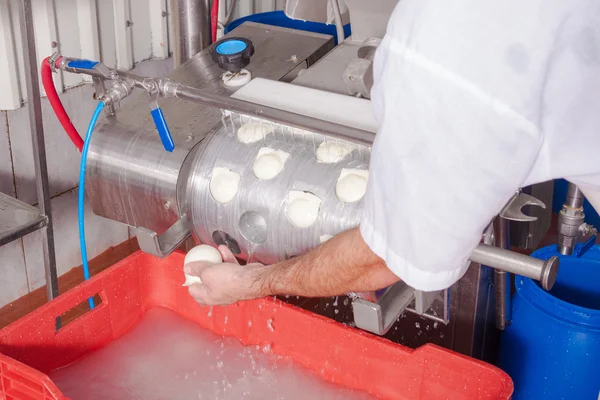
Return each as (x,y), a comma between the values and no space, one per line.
(131,178)
(328,73)
(513,211)
(424,300)
(570,220)
(379,317)
(369,18)
(32,84)
(298,121)
(163,245)
(540,270)
(368,48)
(266,233)
(191,28)
(502,279)
(358,75)
(18,219)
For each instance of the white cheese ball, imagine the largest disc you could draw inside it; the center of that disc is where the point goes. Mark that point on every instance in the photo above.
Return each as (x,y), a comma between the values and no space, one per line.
(200,253)
(254,131)
(302,208)
(224,185)
(330,152)
(351,185)
(269,163)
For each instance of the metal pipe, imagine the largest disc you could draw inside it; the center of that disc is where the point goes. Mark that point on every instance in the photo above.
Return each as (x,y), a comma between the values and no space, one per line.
(570,220)
(230,10)
(544,271)
(173,89)
(339,24)
(191,22)
(273,114)
(501,278)
(574,197)
(39,148)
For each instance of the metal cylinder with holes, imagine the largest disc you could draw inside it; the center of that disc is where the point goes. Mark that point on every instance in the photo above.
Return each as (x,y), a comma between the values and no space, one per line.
(256,222)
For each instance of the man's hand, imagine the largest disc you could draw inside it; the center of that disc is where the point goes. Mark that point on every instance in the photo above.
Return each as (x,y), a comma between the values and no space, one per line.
(225,283)
(341,265)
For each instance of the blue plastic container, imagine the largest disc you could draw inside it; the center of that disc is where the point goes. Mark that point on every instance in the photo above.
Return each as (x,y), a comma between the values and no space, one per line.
(551,349)
(278,18)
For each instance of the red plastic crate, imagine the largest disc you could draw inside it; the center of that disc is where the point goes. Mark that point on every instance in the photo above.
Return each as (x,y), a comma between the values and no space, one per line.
(31,347)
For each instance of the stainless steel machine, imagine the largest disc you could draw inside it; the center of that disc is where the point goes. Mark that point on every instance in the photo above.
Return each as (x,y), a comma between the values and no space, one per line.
(275,91)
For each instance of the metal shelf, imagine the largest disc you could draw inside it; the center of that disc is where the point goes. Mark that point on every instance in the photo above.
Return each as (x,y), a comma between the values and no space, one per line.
(18,219)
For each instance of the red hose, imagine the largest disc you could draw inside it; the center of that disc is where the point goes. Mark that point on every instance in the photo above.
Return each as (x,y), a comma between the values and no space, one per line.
(214,19)
(57,106)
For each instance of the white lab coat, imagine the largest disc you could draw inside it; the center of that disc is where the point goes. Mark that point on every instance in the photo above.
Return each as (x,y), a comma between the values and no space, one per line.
(476,99)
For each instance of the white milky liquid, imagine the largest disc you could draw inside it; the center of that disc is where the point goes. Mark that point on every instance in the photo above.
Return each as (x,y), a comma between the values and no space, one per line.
(167,357)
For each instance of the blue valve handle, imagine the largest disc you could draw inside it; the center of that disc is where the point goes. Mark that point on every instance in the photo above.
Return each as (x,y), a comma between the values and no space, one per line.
(82,64)
(163,129)
(580,251)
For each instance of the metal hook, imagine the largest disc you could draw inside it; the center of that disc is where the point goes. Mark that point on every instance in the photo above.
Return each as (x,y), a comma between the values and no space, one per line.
(512,211)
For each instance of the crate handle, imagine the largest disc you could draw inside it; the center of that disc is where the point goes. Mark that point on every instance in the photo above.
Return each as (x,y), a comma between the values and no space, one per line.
(68,302)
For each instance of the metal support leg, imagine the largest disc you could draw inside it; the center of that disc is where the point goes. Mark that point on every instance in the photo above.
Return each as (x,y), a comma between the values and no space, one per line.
(501,278)
(39,147)
(191,21)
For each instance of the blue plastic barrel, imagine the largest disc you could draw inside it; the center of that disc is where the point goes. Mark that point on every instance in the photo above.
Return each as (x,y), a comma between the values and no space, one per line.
(551,349)
(278,18)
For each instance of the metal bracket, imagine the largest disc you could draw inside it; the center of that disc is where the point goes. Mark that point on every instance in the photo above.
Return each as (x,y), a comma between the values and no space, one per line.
(424,300)
(163,245)
(379,317)
(512,211)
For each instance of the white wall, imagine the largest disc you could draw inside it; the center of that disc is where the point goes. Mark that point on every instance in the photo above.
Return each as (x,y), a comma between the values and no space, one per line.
(93,29)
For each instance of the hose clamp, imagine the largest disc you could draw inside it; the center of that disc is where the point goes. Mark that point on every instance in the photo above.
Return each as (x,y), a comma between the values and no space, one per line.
(53,59)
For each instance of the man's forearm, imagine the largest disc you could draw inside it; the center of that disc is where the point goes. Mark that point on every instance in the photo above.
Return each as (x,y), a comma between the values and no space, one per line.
(341,265)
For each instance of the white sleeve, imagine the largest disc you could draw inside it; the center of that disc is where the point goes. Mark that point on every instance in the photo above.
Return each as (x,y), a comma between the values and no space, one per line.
(457,94)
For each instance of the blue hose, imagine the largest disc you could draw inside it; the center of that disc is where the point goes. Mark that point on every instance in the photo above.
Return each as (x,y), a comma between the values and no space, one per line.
(81,197)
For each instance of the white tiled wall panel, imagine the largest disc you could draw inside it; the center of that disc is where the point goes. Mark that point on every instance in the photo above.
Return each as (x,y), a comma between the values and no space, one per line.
(101,234)
(62,157)
(120,33)
(96,29)
(13,275)
(6,174)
